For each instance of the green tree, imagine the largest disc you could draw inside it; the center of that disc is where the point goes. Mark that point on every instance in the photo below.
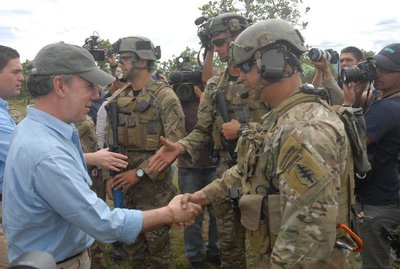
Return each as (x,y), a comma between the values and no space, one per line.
(257,10)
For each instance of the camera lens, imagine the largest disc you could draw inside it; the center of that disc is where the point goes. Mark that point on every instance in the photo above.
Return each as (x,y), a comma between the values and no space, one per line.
(315,54)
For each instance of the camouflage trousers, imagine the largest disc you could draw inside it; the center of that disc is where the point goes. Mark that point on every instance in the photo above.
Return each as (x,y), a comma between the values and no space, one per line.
(97,255)
(231,233)
(151,249)
(340,259)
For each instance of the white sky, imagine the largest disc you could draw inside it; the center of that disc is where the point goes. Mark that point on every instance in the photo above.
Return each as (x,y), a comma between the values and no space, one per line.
(28,25)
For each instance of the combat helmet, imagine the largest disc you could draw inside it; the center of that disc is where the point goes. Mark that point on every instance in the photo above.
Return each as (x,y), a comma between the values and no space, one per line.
(234,23)
(263,34)
(141,46)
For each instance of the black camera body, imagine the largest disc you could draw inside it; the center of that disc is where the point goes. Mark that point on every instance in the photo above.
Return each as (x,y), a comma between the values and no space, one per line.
(203,31)
(91,43)
(331,55)
(184,79)
(363,72)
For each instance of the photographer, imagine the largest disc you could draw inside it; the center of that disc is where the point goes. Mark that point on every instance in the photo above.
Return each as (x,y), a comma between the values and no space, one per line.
(194,176)
(377,195)
(349,56)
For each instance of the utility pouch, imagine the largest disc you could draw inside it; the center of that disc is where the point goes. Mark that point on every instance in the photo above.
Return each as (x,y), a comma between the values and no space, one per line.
(275,216)
(251,208)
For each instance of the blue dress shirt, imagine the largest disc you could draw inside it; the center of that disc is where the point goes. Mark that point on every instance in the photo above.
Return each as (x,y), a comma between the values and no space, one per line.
(7,127)
(47,203)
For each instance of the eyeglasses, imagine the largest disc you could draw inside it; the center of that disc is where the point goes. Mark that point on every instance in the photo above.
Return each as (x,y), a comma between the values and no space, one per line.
(218,42)
(246,66)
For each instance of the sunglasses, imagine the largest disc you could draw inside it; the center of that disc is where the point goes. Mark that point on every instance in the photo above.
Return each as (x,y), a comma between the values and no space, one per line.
(246,66)
(219,42)
(127,58)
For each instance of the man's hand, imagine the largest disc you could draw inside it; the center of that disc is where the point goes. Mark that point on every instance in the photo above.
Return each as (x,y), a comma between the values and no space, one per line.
(230,129)
(353,92)
(107,160)
(199,197)
(183,216)
(323,65)
(166,155)
(109,183)
(125,180)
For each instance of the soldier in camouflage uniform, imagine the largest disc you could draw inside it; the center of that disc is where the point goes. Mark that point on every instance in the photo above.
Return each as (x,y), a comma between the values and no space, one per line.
(147,109)
(15,114)
(295,173)
(223,131)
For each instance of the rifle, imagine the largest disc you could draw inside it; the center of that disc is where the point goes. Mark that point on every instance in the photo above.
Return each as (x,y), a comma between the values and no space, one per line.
(115,147)
(223,110)
(118,252)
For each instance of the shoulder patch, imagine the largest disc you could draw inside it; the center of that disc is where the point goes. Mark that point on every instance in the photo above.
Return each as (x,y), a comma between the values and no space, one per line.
(298,166)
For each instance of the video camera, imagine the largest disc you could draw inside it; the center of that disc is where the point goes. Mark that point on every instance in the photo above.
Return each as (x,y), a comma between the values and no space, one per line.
(331,55)
(365,71)
(91,43)
(184,79)
(203,31)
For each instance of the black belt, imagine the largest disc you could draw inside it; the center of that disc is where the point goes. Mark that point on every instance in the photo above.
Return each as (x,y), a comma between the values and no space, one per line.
(71,257)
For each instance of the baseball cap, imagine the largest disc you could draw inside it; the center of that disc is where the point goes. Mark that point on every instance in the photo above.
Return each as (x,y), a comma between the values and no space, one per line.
(63,59)
(389,57)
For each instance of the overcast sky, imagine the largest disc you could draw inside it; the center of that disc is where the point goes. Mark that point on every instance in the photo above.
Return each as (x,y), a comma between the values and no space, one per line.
(28,25)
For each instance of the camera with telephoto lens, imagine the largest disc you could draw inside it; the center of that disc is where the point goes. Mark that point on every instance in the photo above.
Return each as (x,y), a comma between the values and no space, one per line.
(184,79)
(363,72)
(92,43)
(316,54)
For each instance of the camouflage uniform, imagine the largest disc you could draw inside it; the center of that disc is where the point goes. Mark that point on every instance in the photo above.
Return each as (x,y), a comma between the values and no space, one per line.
(294,177)
(155,111)
(15,114)
(88,138)
(230,232)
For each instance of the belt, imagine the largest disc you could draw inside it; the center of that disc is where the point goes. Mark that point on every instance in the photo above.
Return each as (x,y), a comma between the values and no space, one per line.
(71,257)
(1,197)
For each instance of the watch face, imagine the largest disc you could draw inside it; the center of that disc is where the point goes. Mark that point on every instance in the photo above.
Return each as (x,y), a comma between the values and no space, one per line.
(139,172)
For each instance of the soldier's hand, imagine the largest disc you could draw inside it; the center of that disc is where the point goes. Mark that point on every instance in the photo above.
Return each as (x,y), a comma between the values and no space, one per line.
(166,155)
(108,160)
(125,180)
(199,197)
(183,216)
(230,129)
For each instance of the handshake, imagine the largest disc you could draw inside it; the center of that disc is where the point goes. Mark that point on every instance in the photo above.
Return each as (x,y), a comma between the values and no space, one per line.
(184,208)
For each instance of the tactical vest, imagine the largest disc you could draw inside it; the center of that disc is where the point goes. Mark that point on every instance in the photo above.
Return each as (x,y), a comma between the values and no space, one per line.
(243,109)
(87,135)
(261,194)
(139,117)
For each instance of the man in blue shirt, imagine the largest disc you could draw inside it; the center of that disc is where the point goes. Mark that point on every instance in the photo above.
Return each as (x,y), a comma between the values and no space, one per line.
(11,79)
(48,203)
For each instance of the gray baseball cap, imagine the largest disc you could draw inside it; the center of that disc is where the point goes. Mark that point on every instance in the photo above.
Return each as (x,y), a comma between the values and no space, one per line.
(63,59)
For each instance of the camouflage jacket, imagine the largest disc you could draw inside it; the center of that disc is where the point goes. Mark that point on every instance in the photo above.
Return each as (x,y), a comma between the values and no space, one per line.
(290,173)
(15,114)
(155,111)
(209,119)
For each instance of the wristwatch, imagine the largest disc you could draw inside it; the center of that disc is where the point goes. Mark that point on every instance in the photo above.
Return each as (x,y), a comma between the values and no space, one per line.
(139,172)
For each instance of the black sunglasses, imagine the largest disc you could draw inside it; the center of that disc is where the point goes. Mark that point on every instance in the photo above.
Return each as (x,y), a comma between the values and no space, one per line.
(218,42)
(246,66)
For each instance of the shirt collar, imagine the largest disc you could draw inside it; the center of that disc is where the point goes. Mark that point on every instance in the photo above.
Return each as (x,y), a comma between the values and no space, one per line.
(64,129)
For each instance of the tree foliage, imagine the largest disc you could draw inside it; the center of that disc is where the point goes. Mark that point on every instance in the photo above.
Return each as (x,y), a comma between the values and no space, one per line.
(257,10)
